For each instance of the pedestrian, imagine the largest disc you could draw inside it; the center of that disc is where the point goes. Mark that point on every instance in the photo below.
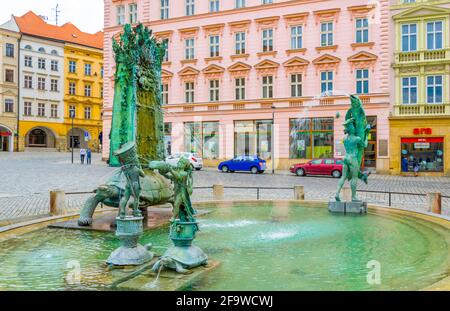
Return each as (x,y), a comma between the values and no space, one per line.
(88,156)
(404,165)
(416,169)
(82,155)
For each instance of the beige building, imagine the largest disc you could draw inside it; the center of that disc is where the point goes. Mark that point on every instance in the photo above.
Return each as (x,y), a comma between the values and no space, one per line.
(9,89)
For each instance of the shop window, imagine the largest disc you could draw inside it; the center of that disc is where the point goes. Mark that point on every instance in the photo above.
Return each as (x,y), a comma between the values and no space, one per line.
(253,137)
(425,153)
(168,137)
(311,138)
(202,138)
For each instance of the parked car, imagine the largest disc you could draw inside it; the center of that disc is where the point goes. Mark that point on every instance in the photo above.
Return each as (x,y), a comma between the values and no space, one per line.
(252,164)
(330,167)
(194,159)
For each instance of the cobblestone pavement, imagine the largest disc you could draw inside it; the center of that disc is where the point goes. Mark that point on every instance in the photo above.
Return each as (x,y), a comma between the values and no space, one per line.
(27,179)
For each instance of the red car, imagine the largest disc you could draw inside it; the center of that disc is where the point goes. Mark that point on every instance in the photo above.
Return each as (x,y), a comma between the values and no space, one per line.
(330,167)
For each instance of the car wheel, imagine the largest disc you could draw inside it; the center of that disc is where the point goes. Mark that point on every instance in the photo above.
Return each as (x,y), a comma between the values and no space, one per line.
(198,168)
(254,170)
(300,172)
(225,169)
(260,172)
(336,174)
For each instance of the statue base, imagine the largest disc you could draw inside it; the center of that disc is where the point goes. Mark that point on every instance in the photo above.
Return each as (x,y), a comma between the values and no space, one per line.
(131,253)
(353,207)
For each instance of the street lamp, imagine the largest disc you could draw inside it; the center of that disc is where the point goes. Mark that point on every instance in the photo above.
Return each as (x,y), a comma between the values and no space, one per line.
(72,116)
(272,136)
(98,137)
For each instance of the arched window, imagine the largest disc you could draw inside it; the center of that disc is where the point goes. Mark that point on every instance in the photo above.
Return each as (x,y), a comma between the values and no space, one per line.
(54,52)
(28,47)
(42,50)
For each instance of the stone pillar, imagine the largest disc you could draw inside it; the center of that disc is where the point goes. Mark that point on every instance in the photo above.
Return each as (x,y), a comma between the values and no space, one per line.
(434,202)
(57,202)
(347,194)
(299,193)
(218,191)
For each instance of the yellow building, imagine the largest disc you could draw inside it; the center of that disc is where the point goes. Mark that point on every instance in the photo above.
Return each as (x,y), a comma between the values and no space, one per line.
(420,120)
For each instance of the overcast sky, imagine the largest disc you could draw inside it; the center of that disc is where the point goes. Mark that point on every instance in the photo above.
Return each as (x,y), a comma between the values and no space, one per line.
(87,15)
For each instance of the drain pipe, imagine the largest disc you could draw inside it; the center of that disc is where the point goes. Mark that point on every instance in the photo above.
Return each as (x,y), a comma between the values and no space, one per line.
(18,94)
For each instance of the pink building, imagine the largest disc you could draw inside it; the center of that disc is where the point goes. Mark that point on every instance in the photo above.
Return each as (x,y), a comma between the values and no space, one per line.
(242,76)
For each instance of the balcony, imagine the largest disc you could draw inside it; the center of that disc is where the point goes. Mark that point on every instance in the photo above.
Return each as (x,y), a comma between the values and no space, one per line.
(422,110)
(422,56)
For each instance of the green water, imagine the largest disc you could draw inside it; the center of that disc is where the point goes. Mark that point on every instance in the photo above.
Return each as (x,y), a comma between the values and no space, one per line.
(266,247)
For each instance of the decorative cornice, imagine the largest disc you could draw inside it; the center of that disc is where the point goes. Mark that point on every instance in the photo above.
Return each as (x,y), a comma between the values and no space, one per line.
(365,44)
(188,32)
(265,54)
(327,15)
(213,69)
(360,10)
(188,72)
(239,69)
(295,51)
(243,25)
(160,35)
(296,19)
(327,48)
(215,29)
(267,22)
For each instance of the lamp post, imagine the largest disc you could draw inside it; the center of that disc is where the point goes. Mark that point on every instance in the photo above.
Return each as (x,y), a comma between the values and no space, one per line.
(272,136)
(72,116)
(98,137)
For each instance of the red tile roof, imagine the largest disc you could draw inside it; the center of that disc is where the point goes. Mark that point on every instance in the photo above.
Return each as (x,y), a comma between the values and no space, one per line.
(32,24)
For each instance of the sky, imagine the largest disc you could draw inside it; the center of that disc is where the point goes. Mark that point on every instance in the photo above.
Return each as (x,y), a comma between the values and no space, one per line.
(87,15)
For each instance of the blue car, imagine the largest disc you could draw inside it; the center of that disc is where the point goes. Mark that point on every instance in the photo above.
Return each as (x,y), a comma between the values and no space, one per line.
(252,164)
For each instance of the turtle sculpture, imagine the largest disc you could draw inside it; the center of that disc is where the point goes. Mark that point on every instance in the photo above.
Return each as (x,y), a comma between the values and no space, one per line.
(176,258)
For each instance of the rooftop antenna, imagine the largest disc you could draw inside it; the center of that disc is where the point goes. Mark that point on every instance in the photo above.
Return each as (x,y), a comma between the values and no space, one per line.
(57,11)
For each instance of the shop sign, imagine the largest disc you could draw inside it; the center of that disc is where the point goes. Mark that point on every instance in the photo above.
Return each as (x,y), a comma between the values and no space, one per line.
(422,145)
(423,140)
(5,133)
(421,131)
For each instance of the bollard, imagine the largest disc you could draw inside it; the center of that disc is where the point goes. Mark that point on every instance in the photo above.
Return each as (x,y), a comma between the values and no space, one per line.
(218,191)
(57,202)
(434,202)
(347,194)
(299,193)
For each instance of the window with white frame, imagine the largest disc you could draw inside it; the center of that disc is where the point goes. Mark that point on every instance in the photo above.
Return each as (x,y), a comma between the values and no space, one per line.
(240,42)
(72,66)
(239,84)
(362,30)
(214,5)
(54,65)
(239,4)
(296,37)
(133,12)
(27,108)
(267,1)
(267,86)
(409,90)
(72,111)
(214,90)
(362,81)
(28,61)
(190,7)
(296,85)
(9,105)
(189,48)
(166,50)
(87,90)
(120,14)
(102,71)
(87,112)
(189,91)
(41,63)
(434,35)
(326,34)
(434,89)
(326,81)
(41,110)
(409,37)
(267,40)
(28,82)
(164,9)
(87,69)
(9,50)
(54,85)
(72,88)
(41,83)
(165,93)
(9,75)
(54,110)
(213,46)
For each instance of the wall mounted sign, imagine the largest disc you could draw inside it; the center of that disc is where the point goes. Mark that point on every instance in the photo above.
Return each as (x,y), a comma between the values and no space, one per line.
(420,131)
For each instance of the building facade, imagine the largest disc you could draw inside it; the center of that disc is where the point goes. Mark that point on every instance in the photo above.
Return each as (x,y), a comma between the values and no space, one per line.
(264,77)
(420,120)
(9,86)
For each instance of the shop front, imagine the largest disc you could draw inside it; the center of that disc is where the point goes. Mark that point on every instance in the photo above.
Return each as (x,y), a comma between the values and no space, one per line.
(6,139)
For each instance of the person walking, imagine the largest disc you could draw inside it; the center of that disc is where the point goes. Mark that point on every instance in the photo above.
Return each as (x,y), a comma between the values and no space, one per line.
(88,156)
(82,155)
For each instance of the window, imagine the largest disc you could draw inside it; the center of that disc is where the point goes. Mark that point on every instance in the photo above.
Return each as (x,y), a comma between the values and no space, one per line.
(132,8)
(87,90)
(41,83)
(164,9)
(214,46)
(202,138)
(41,63)
(165,93)
(362,81)
(427,152)
(101,91)
(214,90)
(72,111)
(102,71)
(28,47)
(409,90)
(87,113)
(166,51)
(28,61)
(296,37)
(267,87)
(311,138)
(434,89)
(252,138)
(53,52)
(54,85)
(27,108)
(409,1)
(189,92)
(9,75)
(28,82)
(41,49)
(120,10)
(190,7)
(72,66)
(239,88)
(87,69)
(9,105)
(434,35)
(326,34)
(54,65)
(41,110)
(326,84)
(362,30)
(54,110)
(239,4)
(267,40)
(9,49)
(296,85)
(189,48)
(72,88)
(409,37)
(240,42)
(267,1)
(213,5)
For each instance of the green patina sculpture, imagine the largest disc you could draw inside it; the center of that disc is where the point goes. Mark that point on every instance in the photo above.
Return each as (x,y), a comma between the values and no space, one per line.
(357,129)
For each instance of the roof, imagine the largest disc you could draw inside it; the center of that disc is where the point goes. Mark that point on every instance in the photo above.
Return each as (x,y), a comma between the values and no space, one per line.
(32,24)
